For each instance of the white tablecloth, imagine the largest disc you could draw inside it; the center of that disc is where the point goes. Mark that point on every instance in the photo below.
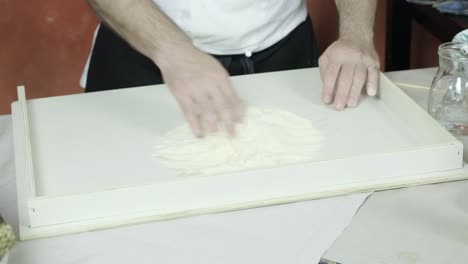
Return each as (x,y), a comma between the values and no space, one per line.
(294,233)
(426,224)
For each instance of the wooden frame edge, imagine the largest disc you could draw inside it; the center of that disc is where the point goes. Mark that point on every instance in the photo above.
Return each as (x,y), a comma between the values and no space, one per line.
(29,159)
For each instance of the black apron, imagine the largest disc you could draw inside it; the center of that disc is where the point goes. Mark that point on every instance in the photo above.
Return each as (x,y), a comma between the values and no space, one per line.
(115,64)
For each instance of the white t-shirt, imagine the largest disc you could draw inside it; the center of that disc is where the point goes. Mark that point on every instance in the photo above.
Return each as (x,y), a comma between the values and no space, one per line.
(228,27)
(224,27)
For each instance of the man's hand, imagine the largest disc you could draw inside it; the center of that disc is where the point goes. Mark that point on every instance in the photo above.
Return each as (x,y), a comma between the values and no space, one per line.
(346,67)
(351,62)
(199,82)
(201,86)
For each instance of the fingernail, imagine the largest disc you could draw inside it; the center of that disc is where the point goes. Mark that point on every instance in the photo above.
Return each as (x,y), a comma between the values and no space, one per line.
(339,106)
(351,103)
(197,133)
(371,91)
(327,99)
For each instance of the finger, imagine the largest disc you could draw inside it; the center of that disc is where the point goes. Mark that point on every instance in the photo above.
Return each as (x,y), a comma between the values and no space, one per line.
(230,100)
(329,80)
(323,63)
(372,80)
(228,90)
(208,114)
(344,85)
(227,110)
(191,114)
(194,123)
(228,122)
(229,103)
(360,75)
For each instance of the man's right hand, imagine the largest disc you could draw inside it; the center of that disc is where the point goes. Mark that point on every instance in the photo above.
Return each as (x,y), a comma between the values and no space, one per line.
(202,89)
(198,81)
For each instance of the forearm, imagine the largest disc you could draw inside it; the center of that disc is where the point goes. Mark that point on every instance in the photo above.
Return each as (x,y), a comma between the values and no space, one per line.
(351,63)
(357,19)
(198,81)
(144,26)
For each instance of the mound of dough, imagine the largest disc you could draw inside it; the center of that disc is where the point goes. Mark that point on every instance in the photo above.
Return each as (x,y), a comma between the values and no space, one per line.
(266,138)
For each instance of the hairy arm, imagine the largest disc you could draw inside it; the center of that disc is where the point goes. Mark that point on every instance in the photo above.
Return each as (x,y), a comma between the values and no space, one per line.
(197,80)
(144,26)
(357,19)
(351,62)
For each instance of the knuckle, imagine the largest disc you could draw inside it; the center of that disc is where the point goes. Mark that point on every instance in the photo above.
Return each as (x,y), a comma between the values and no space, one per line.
(221,101)
(342,93)
(204,96)
(372,63)
(193,110)
(322,59)
(359,79)
(226,116)
(225,108)
(368,60)
(209,117)
(328,84)
(373,72)
(227,105)
(357,87)
(343,87)
(332,70)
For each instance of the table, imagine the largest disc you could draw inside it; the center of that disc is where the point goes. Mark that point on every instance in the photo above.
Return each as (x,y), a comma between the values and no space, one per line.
(426,224)
(399,17)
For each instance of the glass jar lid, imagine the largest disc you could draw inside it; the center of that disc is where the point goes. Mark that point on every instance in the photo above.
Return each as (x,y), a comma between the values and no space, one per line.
(454,51)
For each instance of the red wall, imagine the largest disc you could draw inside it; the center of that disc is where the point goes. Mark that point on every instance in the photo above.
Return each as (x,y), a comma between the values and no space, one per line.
(44,46)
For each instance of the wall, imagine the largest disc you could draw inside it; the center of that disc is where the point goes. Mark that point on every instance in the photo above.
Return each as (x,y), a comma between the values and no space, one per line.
(45,43)
(423,48)
(44,46)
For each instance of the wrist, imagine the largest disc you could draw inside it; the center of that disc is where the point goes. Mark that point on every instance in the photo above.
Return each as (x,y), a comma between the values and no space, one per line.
(166,56)
(360,39)
(360,34)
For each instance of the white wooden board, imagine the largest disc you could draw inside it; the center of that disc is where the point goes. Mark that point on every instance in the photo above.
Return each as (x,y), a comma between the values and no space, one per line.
(93,163)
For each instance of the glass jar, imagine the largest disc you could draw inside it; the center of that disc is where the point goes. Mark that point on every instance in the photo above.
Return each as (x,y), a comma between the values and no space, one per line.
(448,97)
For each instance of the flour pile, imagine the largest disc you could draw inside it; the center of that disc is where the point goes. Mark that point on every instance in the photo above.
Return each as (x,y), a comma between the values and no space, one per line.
(266,138)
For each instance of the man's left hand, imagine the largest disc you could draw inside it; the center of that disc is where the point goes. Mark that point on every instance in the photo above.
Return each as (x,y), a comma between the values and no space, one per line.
(346,67)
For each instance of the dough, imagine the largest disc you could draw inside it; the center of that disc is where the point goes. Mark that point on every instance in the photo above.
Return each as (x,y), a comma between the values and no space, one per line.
(266,138)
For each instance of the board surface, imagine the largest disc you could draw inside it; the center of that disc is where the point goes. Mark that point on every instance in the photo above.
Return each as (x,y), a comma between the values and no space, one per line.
(93,151)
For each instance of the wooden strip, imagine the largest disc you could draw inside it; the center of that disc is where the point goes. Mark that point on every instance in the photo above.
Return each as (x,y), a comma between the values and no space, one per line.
(29,160)
(230,189)
(29,233)
(416,118)
(412,86)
